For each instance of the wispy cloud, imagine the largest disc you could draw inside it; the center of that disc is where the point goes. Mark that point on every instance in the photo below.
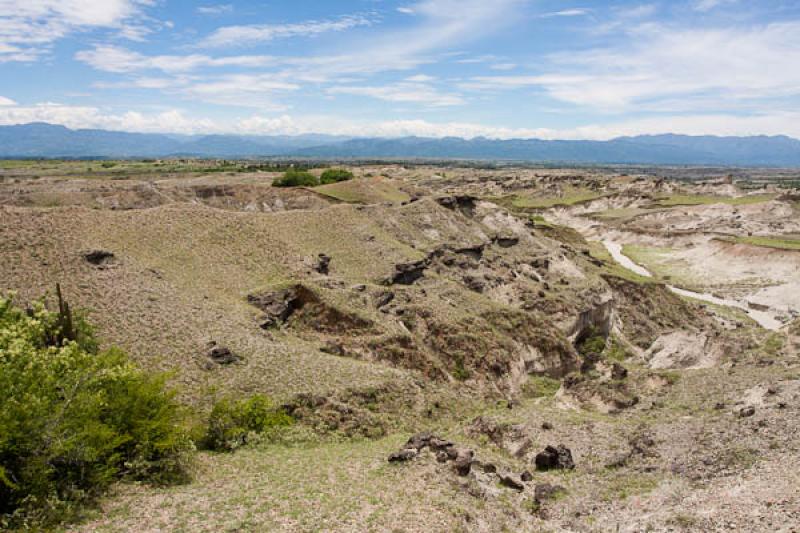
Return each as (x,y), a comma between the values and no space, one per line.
(412,90)
(574,12)
(117,59)
(249,35)
(218,9)
(6,101)
(664,63)
(708,5)
(28,28)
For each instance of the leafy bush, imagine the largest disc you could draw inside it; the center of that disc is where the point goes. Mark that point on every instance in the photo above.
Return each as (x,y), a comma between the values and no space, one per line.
(335,175)
(232,423)
(296,178)
(593,343)
(74,419)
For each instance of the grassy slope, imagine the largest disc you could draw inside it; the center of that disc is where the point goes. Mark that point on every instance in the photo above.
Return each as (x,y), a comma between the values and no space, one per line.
(364,191)
(182,278)
(690,199)
(778,243)
(571,196)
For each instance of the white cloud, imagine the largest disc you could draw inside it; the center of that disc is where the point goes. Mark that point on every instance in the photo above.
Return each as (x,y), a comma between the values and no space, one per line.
(27,28)
(406,91)
(116,59)
(420,78)
(775,124)
(6,101)
(259,33)
(708,5)
(503,66)
(405,10)
(77,117)
(177,121)
(218,9)
(661,64)
(575,12)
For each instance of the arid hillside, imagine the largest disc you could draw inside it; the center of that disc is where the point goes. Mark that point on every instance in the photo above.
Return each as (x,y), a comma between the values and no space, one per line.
(463,349)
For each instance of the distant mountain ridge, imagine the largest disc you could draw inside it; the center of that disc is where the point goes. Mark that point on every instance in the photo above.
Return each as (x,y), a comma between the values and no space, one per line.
(52,141)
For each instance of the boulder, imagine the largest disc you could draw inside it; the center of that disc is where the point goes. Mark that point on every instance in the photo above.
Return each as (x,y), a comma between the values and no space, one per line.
(322,264)
(463,462)
(222,355)
(554,457)
(403,455)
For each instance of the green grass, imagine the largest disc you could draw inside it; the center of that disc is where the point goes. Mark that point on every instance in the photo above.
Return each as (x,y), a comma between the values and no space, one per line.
(571,196)
(779,243)
(540,387)
(696,199)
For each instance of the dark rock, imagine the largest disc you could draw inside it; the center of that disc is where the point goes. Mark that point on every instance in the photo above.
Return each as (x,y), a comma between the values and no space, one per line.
(472,252)
(98,257)
(474,283)
(506,242)
(221,354)
(384,299)
(436,444)
(558,457)
(526,476)
(322,264)
(442,457)
(403,455)
(748,411)
(408,273)
(279,305)
(618,371)
(507,480)
(419,441)
(547,426)
(462,203)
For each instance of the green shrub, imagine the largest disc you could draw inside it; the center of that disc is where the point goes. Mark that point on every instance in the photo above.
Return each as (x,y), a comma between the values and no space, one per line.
(593,343)
(296,178)
(75,419)
(233,422)
(335,175)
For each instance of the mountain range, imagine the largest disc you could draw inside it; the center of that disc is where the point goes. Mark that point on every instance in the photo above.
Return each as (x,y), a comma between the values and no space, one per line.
(41,140)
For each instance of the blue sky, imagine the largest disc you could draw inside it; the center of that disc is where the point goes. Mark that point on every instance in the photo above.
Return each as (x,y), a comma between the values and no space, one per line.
(498,68)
